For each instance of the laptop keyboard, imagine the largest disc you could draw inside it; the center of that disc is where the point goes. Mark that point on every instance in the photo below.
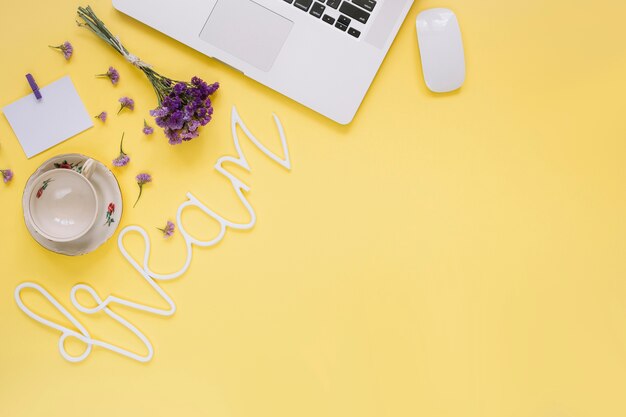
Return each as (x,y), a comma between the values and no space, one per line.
(350,12)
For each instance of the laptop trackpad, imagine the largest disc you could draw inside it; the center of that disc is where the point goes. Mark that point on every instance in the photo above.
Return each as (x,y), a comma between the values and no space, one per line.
(247,30)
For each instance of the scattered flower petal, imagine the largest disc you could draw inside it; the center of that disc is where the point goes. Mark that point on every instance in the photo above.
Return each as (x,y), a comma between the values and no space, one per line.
(168,230)
(147,129)
(142,179)
(102,116)
(112,74)
(67,49)
(7,175)
(122,159)
(126,103)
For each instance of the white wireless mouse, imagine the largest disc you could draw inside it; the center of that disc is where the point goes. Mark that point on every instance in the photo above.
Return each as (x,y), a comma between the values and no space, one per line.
(441,49)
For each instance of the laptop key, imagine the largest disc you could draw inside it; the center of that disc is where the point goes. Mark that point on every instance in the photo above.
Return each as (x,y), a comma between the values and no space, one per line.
(328,19)
(289,1)
(354,32)
(341,26)
(366,4)
(333,3)
(303,4)
(354,12)
(344,20)
(317,10)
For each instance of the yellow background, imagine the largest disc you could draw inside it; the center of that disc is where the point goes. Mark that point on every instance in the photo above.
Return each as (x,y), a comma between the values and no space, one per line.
(458,255)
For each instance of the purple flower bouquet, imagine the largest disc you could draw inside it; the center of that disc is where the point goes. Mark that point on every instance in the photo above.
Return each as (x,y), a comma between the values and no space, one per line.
(183,107)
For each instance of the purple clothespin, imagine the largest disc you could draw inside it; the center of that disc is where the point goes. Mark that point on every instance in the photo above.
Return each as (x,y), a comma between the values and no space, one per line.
(33,86)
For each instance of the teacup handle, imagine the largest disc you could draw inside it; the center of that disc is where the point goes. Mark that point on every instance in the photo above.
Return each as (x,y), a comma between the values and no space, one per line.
(88,168)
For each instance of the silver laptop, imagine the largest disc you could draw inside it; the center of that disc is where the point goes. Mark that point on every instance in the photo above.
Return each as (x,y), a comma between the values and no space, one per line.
(323,54)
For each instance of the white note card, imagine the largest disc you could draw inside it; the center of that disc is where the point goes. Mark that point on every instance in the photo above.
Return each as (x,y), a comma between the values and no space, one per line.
(41,124)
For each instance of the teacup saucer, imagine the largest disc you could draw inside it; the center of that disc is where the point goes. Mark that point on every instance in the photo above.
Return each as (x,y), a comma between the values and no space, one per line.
(110,201)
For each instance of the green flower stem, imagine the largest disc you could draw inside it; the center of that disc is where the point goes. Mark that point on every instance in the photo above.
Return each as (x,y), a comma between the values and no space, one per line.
(139,196)
(162,85)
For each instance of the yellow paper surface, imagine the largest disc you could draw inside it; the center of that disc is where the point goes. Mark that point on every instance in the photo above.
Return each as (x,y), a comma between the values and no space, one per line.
(444,256)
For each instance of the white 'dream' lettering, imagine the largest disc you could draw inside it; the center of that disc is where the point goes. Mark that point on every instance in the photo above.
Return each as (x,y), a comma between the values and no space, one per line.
(80,333)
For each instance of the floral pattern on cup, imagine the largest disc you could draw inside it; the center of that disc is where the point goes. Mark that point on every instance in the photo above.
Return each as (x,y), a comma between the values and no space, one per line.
(43,187)
(76,166)
(109,215)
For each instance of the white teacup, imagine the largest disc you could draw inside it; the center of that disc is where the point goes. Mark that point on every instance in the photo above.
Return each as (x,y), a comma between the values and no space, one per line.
(63,203)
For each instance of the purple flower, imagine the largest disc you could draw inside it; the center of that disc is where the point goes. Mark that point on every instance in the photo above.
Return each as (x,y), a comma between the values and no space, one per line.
(7,175)
(178,88)
(126,103)
(102,116)
(122,159)
(176,120)
(67,49)
(112,75)
(147,130)
(213,88)
(168,230)
(142,179)
(160,112)
(185,109)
